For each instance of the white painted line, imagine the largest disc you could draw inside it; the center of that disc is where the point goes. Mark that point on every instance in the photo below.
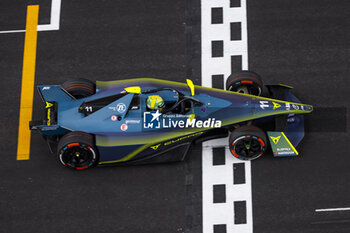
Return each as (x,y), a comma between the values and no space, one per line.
(223,213)
(333,209)
(12,31)
(54,19)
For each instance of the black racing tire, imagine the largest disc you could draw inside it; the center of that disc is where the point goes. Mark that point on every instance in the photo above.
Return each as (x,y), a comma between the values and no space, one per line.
(247,142)
(77,150)
(246,82)
(80,88)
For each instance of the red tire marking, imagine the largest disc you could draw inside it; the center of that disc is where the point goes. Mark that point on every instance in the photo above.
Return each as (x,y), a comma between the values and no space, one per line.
(246,81)
(78,86)
(234,154)
(81,168)
(73,144)
(261,142)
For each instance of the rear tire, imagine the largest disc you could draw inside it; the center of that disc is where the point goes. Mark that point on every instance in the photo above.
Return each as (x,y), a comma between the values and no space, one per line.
(77,150)
(247,142)
(80,88)
(245,82)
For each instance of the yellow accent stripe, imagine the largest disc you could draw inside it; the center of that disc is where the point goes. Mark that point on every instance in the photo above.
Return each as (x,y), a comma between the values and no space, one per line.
(28,78)
(190,85)
(284,85)
(290,144)
(136,90)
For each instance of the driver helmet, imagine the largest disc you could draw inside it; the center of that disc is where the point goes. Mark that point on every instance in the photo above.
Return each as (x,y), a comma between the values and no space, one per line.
(155,102)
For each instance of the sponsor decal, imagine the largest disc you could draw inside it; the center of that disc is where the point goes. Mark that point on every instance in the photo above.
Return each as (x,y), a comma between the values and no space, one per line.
(46,88)
(290,119)
(151,120)
(124,127)
(155,147)
(275,139)
(296,107)
(132,122)
(48,116)
(49,128)
(48,107)
(264,104)
(181,138)
(276,105)
(203,109)
(48,104)
(157,120)
(284,151)
(113,117)
(287,106)
(121,107)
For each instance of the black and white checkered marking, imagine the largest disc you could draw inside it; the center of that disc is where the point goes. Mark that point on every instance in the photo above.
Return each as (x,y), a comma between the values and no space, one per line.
(227,200)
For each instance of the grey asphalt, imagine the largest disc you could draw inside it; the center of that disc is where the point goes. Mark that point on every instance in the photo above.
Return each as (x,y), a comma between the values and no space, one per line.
(304,44)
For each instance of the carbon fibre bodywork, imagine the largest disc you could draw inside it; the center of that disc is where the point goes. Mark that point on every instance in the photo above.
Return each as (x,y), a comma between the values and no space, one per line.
(119,122)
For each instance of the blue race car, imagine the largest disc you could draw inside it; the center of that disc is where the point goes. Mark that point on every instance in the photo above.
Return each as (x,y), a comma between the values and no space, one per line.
(145,120)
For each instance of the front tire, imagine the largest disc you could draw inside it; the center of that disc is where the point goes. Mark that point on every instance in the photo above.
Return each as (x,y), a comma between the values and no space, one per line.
(245,82)
(77,150)
(247,142)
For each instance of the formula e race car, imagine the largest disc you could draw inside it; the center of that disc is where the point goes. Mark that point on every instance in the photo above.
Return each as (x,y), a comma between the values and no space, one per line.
(113,122)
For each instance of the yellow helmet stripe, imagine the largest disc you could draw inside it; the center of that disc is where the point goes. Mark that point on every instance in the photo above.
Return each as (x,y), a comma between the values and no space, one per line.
(153,102)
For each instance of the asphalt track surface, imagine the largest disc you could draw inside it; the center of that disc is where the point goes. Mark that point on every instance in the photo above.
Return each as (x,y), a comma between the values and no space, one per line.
(303,44)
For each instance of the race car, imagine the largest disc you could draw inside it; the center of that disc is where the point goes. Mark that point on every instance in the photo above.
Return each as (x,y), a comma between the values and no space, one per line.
(145,120)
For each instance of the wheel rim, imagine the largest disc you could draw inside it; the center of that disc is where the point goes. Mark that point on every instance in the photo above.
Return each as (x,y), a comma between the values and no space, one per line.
(246,89)
(248,147)
(243,89)
(78,156)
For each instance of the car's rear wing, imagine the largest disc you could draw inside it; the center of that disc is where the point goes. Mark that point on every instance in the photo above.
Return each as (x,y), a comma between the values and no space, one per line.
(54,93)
(52,96)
